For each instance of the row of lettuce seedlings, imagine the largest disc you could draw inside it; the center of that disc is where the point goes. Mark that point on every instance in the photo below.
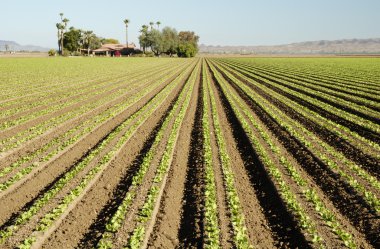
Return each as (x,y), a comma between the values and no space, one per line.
(84,129)
(136,239)
(289,197)
(26,135)
(328,155)
(325,106)
(131,125)
(335,155)
(319,89)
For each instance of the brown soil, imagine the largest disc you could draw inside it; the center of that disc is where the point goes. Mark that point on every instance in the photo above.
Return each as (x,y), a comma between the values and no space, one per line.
(178,218)
(310,84)
(99,196)
(33,188)
(335,189)
(165,232)
(107,190)
(327,114)
(257,226)
(351,151)
(281,223)
(39,141)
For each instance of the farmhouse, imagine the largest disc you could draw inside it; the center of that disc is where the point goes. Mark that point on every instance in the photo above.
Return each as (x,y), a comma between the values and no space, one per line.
(115,49)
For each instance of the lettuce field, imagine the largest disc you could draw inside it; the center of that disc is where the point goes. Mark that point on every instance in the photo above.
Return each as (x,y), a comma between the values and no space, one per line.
(190,153)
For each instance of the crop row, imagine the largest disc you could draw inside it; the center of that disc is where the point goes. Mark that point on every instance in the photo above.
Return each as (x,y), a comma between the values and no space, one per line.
(361,73)
(42,127)
(241,239)
(338,85)
(327,154)
(303,219)
(353,137)
(47,98)
(117,220)
(55,76)
(343,108)
(64,141)
(123,132)
(309,192)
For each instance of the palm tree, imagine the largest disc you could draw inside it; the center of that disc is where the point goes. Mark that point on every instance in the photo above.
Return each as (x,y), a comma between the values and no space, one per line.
(64,26)
(59,27)
(126,22)
(151,25)
(158,24)
(143,37)
(88,36)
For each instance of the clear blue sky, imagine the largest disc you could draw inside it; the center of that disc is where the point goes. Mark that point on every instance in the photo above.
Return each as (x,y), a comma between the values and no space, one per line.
(218,22)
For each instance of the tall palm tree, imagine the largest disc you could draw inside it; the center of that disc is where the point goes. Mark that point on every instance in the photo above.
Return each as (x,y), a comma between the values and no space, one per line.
(126,22)
(63,30)
(143,37)
(88,36)
(59,27)
(158,24)
(151,25)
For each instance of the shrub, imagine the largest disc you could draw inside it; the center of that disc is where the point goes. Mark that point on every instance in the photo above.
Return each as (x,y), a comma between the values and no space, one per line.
(52,52)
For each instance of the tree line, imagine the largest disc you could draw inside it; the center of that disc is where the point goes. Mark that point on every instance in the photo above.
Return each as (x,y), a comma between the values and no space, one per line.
(168,41)
(72,40)
(152,40)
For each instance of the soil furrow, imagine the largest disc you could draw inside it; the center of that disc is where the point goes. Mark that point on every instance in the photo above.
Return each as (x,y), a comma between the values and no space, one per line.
(165,233)
(351,151)
(281,222)
(346,108)
(306,80)
(61,163)
(345,199)
(191,230)
(327,114)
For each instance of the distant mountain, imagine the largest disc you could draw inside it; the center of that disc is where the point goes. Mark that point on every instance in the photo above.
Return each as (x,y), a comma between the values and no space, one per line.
(347,46)
(14,46)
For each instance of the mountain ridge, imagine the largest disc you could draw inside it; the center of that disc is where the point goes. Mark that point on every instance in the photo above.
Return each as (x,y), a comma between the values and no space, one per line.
(346,46)
(14,46)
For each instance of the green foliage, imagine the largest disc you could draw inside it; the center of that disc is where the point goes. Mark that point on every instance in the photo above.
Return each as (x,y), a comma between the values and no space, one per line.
(52,52)
(110,41)
(61,29)
(72,39)
(168,41)
(186,50)
(156,42)
(65,52)
(188,44)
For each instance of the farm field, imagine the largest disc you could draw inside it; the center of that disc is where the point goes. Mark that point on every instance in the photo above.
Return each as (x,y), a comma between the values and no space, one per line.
(190,153)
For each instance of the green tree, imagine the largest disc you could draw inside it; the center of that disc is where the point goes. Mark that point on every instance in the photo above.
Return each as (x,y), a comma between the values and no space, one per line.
(72,39)
(158,24)
(52,52)
(169,40)
(155,41)
(88,40)
(188,44)
(110,41)
(61,27)
(186,50)
(143,38)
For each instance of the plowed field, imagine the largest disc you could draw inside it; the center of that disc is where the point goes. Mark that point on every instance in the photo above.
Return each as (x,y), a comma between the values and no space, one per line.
(189,153)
